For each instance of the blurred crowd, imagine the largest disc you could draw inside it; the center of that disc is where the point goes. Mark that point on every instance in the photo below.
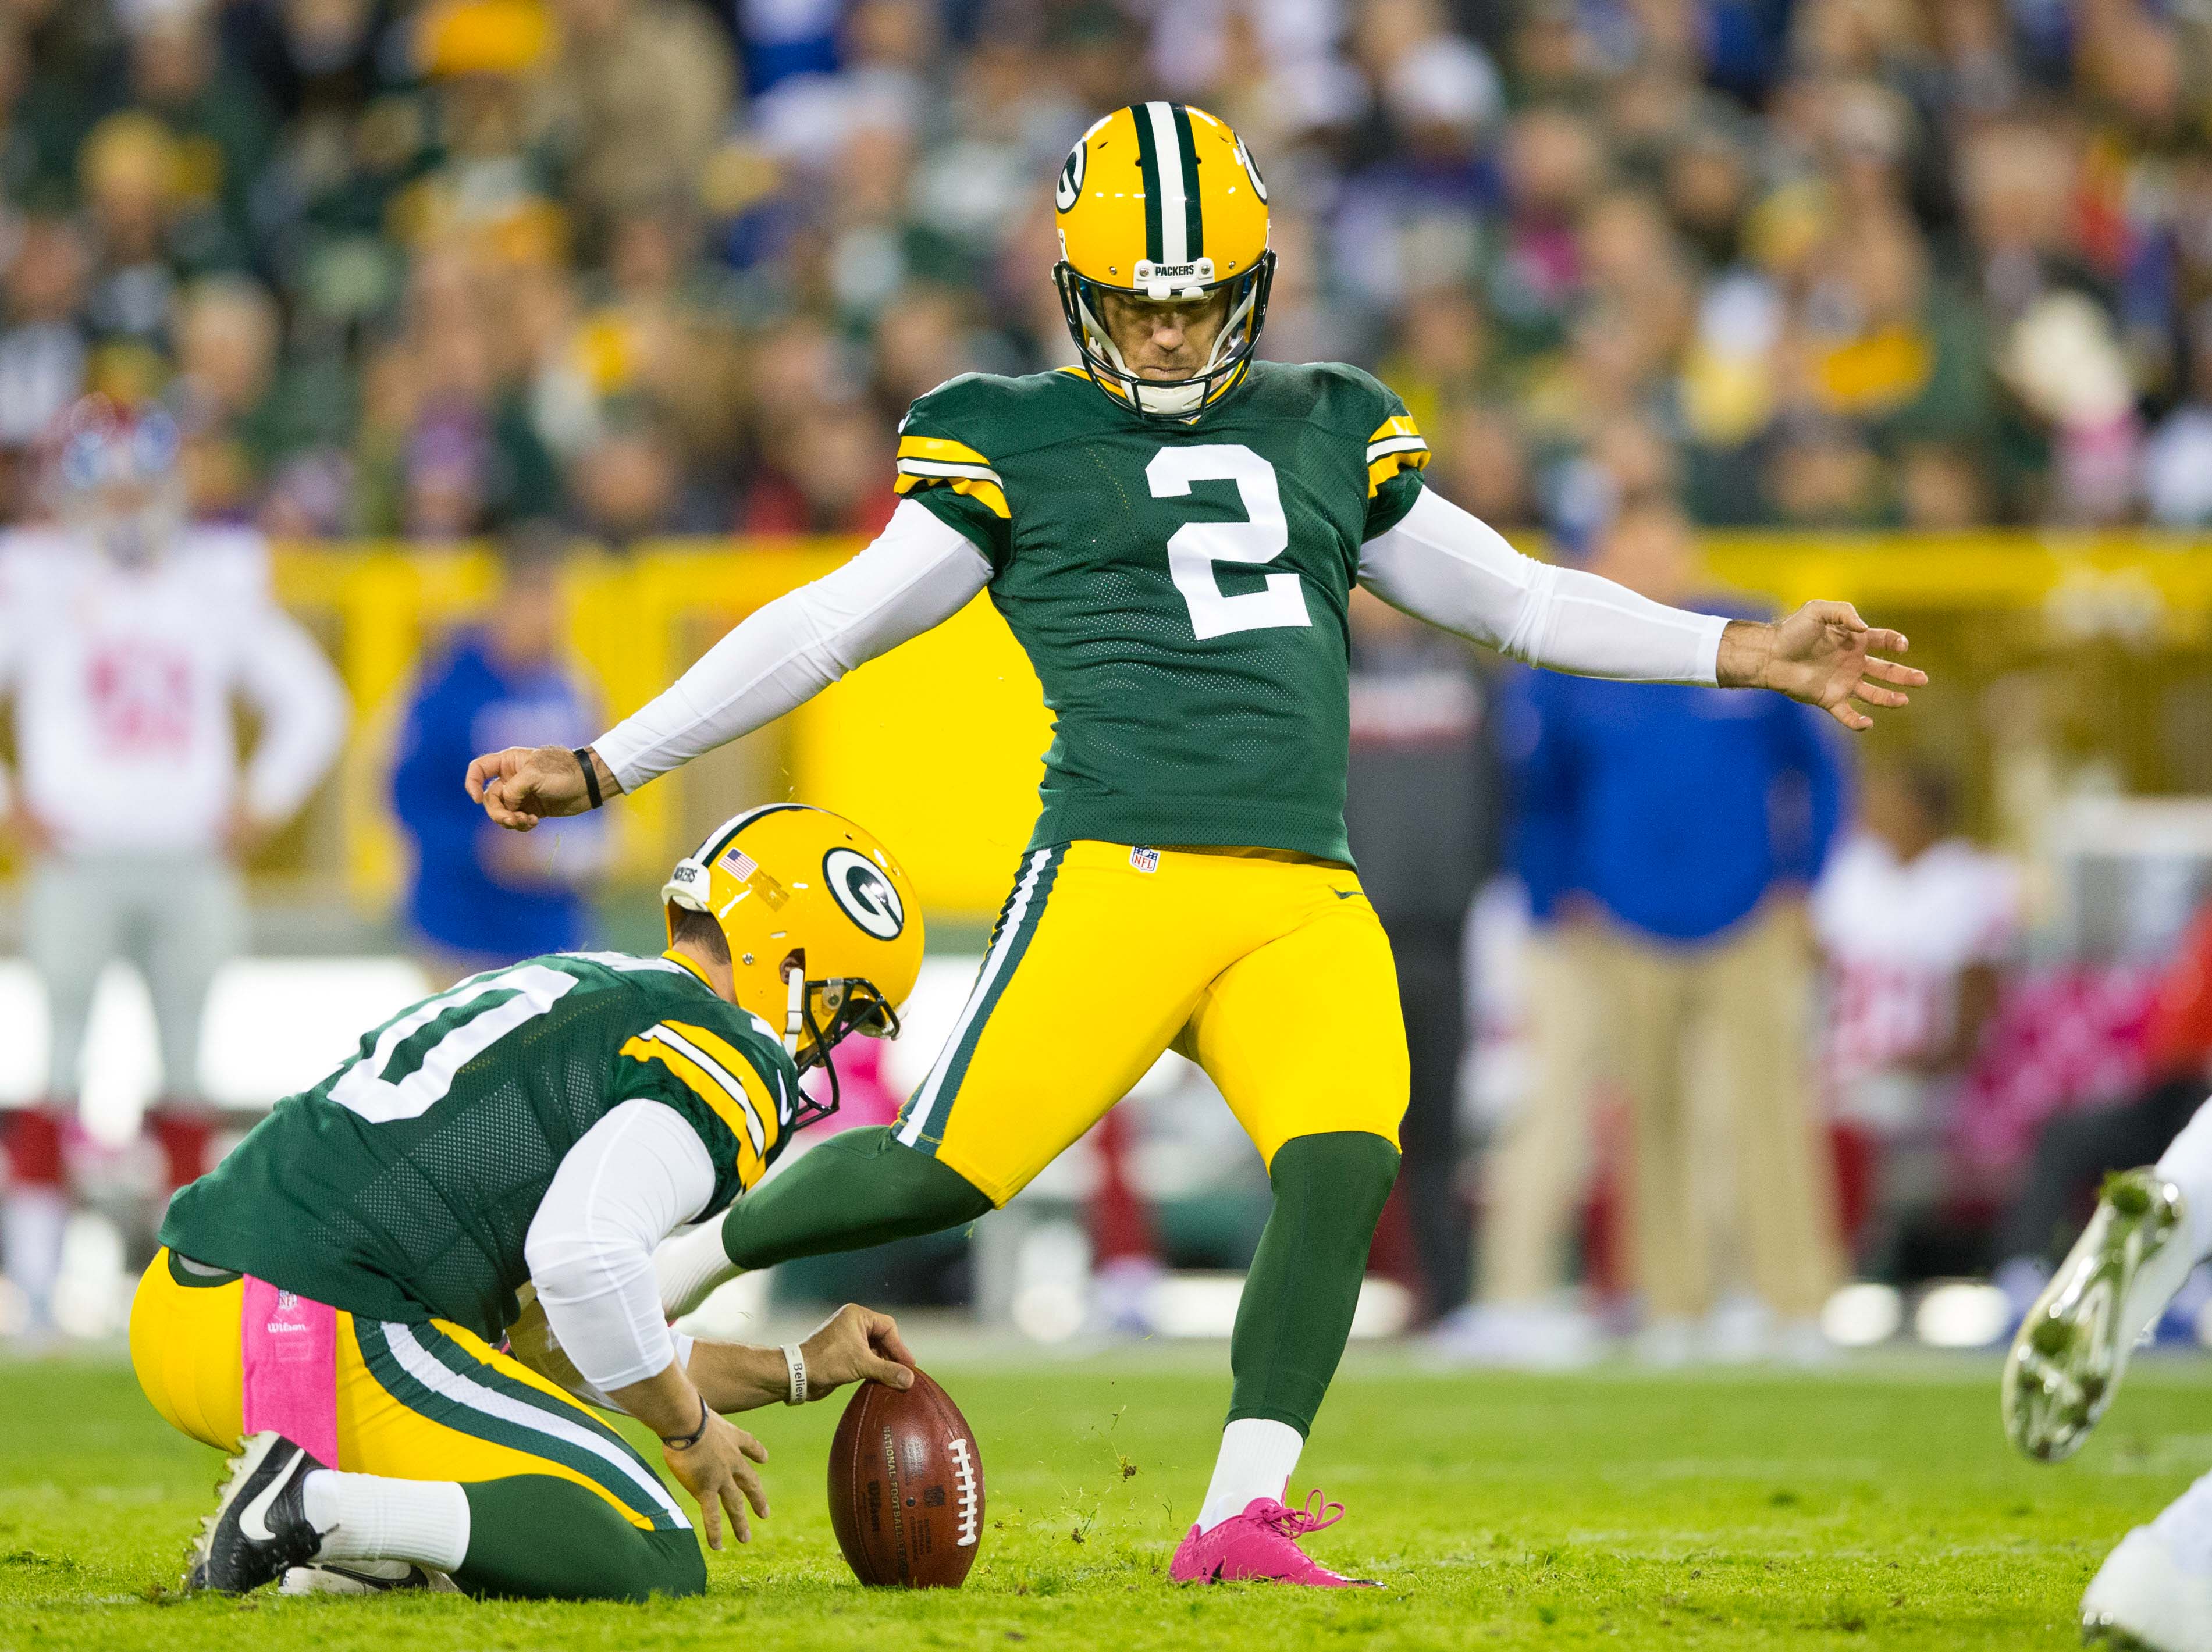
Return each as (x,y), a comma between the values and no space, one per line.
(428,267)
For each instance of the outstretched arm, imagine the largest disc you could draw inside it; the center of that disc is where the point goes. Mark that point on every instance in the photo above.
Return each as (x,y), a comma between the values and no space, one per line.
(918,573)
(1452,569)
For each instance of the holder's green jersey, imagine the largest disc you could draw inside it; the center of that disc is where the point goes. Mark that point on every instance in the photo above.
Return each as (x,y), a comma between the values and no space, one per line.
(404,1184)
(1179,586)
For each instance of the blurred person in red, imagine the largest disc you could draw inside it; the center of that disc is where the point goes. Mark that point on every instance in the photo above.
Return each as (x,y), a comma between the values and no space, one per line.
(126,637)
(2076,1149)
(1917,923)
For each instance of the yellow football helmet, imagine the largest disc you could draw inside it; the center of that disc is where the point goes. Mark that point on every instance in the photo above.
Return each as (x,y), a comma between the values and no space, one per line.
(823,926)
(1162,201)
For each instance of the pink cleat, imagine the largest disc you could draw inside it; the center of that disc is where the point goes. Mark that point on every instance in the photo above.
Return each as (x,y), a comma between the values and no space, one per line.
(1261,1544)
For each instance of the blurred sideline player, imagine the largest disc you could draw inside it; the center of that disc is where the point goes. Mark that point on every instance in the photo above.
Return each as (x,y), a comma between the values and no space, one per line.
(336,1292)
(2152,1227)
(1172,530)
(125,637)
(478,897)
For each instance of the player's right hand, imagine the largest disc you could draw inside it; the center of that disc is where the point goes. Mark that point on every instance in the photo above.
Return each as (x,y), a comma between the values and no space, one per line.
(524,785)
(852,1343)
(719,1471)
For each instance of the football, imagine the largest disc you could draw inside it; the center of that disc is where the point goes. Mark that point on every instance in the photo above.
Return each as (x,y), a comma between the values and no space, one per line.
(906,1487)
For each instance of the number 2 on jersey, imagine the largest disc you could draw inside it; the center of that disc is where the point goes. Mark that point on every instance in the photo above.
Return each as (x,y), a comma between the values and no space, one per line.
(1196,547)
(531,990)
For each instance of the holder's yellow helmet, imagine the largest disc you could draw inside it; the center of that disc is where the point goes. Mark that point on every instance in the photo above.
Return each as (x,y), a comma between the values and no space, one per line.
(1162,201)
(823,929)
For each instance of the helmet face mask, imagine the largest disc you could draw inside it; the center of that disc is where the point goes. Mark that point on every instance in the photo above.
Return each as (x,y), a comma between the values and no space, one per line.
(1162,203)
(829,1013)
(1167,399)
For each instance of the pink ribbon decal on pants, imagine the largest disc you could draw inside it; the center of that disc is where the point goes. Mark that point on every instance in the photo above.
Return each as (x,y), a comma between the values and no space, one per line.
(291,1347)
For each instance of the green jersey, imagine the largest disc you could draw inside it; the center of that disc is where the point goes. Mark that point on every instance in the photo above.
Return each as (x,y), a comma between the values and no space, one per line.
(1180,587)
(402,1186)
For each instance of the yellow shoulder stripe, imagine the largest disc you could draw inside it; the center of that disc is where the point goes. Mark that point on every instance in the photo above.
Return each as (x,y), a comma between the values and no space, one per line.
(990,493)
(1402,425)
(941,448)
(1390,464)
(723,1078)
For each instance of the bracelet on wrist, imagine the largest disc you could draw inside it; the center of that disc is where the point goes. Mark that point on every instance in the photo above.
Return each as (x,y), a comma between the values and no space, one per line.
(582,754)
(795,1364)
(685,1441)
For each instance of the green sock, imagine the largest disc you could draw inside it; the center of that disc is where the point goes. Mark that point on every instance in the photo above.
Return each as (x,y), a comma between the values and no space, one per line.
(538,1537)
(859,1188)
(1304,1284)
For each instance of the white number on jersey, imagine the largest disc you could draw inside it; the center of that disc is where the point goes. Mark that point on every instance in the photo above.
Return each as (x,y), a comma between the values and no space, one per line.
(1254,542)
(363,1089)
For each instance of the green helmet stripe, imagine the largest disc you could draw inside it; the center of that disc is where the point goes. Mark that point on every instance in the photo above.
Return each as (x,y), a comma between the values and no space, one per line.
(1148,166)
(1194,219)
(726,832)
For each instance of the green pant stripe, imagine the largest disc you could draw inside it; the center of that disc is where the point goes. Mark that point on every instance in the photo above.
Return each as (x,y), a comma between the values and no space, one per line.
(922,1123)
(449,1387)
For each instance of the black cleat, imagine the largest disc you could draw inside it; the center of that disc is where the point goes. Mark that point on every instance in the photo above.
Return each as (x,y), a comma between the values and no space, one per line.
(260,1527)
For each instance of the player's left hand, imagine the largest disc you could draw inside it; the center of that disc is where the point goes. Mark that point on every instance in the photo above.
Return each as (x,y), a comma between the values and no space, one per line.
(1825,655)
(718,1471)
(853,1343)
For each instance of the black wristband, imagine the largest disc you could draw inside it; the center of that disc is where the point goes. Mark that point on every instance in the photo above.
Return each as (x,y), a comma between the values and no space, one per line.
(685,1441)
(582,754)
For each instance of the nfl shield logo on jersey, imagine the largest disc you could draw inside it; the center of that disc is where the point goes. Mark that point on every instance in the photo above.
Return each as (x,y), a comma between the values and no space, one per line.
(1145,860)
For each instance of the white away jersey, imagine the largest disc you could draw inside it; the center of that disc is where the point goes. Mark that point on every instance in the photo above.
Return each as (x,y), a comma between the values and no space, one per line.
(122,681)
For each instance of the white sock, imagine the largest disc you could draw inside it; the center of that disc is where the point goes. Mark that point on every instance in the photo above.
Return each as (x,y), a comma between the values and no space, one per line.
(369,1517)
(2187,1164)
(1257,1456)
(2186,1527)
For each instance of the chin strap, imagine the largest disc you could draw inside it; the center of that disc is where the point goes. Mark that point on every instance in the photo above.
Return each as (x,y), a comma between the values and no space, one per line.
(794,1017)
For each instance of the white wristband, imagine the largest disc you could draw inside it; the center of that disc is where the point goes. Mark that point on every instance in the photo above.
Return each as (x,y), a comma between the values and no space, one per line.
(796,1363)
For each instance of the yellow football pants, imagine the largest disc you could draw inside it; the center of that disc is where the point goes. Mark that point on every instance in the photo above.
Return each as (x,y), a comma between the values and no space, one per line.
(415,1401)
(1271,973)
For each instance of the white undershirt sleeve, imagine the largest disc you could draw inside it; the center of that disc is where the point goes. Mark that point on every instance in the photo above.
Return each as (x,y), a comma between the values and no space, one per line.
(1454,570)
(634,1177)
(917,573)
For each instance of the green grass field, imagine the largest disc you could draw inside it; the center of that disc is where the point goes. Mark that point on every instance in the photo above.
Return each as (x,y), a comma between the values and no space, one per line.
(1876,1506)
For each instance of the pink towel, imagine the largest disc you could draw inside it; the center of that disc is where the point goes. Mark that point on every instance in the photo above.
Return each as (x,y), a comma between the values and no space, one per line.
(291,1368)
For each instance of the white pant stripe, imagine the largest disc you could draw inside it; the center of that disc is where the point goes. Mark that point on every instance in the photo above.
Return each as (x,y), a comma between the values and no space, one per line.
(994,961)
(427,1369)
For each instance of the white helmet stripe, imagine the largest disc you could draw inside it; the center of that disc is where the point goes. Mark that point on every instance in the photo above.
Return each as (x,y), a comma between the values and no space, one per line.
(1175,223)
